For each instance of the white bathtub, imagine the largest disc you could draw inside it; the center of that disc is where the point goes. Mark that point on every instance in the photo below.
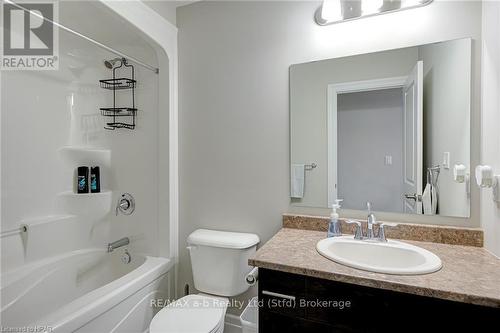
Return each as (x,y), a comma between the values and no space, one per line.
(84,291)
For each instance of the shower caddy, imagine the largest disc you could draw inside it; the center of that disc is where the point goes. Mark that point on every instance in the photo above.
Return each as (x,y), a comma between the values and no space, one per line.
(119,114)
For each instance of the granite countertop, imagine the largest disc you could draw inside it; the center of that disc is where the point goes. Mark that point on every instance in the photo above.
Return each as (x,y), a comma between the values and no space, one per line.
(469,274)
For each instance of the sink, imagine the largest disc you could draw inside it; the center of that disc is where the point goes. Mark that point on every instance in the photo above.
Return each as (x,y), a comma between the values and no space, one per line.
(391,257)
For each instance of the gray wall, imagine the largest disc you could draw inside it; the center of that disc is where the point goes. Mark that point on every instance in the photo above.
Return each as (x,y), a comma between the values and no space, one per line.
(370,127)
(490,210)
(308,105)
(447,118)
(233,100)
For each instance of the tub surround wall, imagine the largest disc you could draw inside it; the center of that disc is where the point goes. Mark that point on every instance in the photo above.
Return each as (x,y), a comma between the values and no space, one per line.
(61,109)
(407,231)
(469,274)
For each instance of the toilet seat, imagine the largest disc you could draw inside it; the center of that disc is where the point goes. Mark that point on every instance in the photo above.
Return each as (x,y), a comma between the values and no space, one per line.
(191,314)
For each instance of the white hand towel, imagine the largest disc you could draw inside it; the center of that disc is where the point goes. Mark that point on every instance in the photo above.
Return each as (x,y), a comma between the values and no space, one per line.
(434,200)
(297,178)
(427,200)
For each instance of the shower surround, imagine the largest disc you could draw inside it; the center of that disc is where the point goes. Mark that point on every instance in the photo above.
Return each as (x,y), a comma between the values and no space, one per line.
(51,124)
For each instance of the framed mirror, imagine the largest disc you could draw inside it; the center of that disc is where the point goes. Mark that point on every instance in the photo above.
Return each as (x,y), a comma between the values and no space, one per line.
(391,127)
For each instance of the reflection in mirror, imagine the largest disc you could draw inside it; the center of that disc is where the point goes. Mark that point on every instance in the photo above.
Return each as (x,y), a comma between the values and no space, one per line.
(388,127)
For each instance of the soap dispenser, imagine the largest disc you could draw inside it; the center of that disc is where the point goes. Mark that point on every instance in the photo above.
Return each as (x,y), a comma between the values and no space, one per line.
(334,229)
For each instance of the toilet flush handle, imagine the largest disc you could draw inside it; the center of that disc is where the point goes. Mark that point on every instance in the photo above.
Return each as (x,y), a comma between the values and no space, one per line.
(191,247)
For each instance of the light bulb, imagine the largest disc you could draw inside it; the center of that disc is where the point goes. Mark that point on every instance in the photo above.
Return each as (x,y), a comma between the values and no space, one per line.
(331,10)
(371,6)
(411,3)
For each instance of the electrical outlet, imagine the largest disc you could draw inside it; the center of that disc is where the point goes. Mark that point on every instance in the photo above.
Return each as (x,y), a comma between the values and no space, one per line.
(446,160)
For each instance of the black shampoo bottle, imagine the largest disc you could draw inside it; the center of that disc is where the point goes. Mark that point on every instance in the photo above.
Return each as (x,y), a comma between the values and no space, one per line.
(82,184)
(95,180)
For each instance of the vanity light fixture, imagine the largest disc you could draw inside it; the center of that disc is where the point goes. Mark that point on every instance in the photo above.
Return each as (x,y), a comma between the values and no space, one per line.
(331,10)
(371,6)
(337,11)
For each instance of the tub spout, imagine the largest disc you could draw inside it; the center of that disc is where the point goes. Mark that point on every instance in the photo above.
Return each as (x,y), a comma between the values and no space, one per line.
(119,243)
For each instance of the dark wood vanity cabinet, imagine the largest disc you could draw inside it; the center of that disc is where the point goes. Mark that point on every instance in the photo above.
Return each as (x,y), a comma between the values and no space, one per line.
(296,303)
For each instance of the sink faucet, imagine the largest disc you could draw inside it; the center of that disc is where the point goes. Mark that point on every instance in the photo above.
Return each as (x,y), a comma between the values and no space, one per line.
(370,234)
(119,243)
(371,221)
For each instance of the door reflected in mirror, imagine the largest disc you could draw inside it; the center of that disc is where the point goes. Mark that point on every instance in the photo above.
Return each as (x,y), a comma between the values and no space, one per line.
(387,127)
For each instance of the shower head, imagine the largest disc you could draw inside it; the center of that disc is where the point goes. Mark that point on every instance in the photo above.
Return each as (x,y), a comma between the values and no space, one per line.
(111,63)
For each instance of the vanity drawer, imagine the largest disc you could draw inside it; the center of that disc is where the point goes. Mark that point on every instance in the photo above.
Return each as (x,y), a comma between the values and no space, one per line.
(280,282)
(338,304)
(281,292)
(270,322)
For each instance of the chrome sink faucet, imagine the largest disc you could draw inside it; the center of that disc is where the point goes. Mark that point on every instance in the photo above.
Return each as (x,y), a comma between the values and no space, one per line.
(371,220)
(370,234)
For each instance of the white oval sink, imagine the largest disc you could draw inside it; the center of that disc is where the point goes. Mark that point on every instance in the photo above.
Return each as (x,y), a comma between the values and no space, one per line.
(391,257)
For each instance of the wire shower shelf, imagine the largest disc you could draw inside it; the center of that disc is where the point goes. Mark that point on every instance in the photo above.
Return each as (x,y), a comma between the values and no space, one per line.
(115,112)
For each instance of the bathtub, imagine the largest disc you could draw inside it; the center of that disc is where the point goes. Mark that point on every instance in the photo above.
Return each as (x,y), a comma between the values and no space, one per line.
(83,291)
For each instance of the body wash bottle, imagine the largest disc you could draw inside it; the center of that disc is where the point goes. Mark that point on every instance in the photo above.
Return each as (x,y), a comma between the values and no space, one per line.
(95,180)
(334,229)
(82,180)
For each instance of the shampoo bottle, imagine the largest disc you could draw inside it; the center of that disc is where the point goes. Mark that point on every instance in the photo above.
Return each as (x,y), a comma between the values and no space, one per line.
(82,180)
(95,180)
(334,229)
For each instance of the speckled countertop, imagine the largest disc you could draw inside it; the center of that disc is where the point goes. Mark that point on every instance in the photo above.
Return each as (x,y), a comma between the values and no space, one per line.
(469,274)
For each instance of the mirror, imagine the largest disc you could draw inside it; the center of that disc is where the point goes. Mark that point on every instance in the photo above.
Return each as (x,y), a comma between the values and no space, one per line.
(391,127)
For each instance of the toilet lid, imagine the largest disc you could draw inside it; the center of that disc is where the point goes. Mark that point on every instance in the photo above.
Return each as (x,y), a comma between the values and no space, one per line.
(190,314)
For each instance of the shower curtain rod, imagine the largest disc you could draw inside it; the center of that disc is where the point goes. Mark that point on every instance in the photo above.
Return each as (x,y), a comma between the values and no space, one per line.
(93,41)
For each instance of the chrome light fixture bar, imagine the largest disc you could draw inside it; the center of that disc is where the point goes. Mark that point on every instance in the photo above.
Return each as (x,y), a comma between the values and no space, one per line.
(337,11)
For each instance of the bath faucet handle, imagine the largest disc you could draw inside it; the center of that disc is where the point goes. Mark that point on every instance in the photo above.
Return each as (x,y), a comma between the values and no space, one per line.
(125,204)
(358,233)
(381,230)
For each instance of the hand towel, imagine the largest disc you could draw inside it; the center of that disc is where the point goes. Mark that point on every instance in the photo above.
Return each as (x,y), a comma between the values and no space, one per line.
(297,178)
(434,200)
(427,200)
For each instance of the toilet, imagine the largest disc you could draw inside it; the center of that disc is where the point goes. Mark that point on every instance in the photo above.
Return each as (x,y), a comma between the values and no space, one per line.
(219,260)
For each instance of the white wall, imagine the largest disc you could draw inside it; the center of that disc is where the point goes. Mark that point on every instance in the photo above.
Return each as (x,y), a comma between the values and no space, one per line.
(370,127)
(447,77)
(44,111)
(167,9)
(308,105)
(234,100)
(490,152)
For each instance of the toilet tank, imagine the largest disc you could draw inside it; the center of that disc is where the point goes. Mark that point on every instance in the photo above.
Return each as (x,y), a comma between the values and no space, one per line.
(219,260)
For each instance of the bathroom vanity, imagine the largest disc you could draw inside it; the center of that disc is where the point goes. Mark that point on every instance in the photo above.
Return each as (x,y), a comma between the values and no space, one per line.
(302,291)
(298,303)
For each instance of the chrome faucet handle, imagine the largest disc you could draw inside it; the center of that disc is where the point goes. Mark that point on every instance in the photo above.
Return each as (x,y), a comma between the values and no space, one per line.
(381,231)
(369,207)
(125,204)
(358,233)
